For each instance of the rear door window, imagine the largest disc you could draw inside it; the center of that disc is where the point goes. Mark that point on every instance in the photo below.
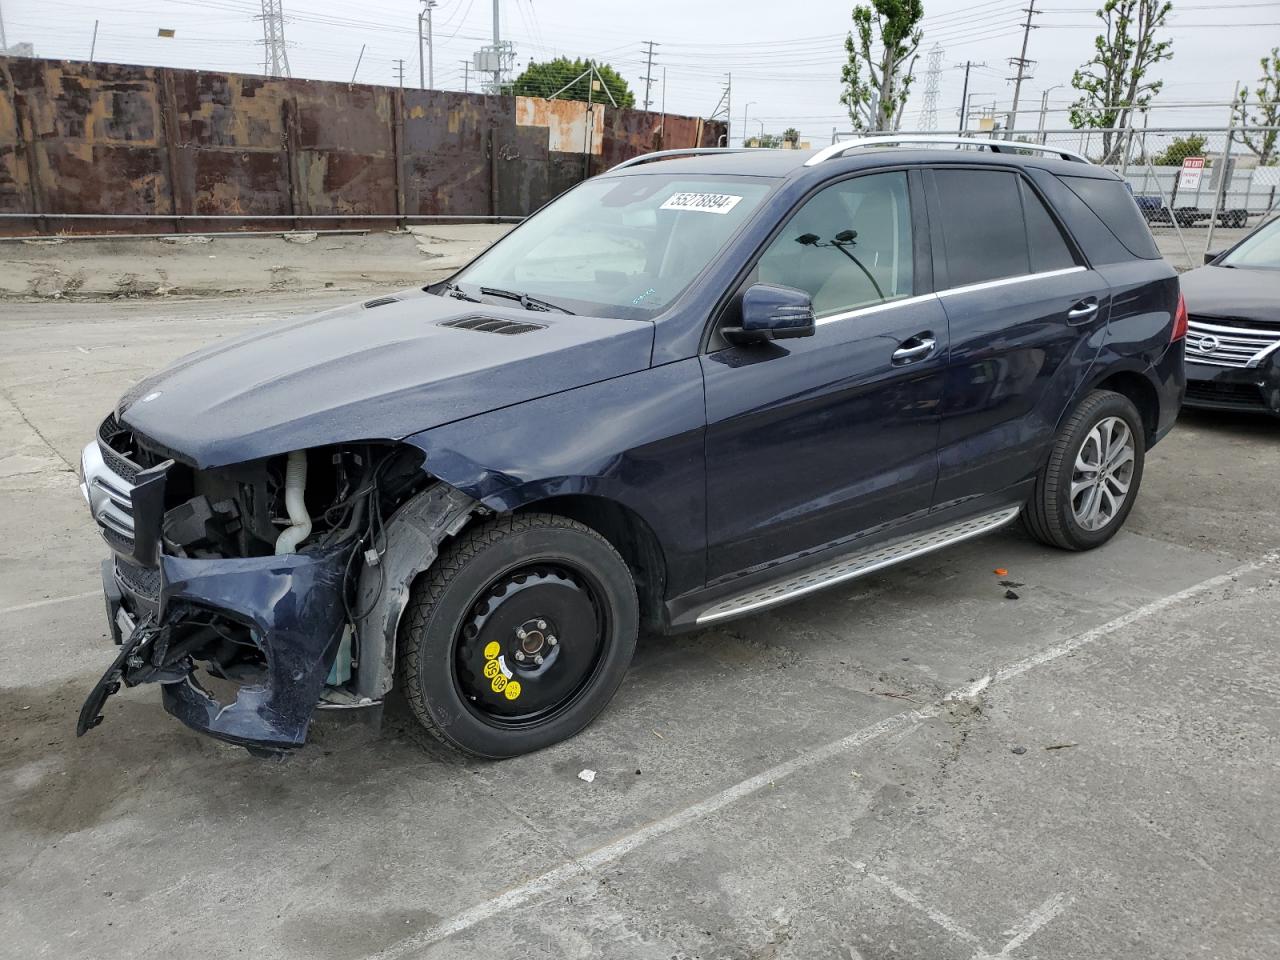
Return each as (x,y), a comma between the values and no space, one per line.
(982,225)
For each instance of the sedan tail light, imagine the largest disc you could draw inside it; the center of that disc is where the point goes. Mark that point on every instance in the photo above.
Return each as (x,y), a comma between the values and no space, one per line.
(1180,320)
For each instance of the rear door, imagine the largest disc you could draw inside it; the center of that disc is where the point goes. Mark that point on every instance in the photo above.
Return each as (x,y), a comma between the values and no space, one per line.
(1026,318)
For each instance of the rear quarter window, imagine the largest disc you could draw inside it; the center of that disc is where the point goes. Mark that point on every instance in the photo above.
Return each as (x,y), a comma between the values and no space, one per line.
(1113,204)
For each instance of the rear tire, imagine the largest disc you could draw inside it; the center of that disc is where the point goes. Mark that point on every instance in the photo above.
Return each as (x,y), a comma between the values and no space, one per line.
(518,636)
(1085,490)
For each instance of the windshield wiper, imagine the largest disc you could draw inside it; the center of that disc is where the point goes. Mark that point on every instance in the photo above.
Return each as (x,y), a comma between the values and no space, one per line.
(455,291)
(526,301)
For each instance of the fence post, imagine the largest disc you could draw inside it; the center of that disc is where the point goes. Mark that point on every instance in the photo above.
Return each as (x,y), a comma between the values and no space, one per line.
(1224,176)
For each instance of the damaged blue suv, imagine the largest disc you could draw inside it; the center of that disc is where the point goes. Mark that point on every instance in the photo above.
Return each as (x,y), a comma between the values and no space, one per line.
(700,385)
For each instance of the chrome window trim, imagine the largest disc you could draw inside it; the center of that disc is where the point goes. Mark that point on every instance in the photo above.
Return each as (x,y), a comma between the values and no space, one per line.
(948,292)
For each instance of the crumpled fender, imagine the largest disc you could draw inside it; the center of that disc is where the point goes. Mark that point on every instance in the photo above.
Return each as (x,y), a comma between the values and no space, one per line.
(294,605)
(413,538)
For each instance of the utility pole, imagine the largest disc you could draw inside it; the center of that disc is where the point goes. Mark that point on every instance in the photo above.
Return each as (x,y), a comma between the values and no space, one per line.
(466,74)
(964,95)
(744,121)
(648,72)
(497,52)
(359,59)
(4,44)
(275,56)
(426,72)
(93,44)
(400,72)
(1022,64)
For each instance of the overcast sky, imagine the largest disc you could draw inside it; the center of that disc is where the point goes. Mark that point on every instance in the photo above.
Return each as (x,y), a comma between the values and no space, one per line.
(785,63)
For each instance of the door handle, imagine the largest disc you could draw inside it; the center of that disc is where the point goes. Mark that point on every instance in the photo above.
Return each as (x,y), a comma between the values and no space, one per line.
(921,345)
(1083,311)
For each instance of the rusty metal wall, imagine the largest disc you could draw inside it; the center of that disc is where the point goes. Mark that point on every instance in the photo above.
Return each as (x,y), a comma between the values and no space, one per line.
(112,139)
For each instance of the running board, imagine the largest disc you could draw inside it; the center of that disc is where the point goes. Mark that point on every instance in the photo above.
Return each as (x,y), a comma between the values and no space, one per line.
(857,565)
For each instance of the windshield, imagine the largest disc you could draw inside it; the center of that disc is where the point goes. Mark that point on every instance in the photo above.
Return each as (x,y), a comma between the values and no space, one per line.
(619,246)
(1260,250)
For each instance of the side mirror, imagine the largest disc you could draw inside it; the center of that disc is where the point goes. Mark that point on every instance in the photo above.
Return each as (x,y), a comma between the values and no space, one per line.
(1212,255)
(773,312)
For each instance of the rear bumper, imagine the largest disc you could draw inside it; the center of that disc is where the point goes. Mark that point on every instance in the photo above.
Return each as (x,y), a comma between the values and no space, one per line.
(1234,389)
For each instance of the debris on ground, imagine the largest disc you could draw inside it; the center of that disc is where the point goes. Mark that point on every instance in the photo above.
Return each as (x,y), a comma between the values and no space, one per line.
(1012,583)
(299,236)
(1010,595)
(186,240)
(1019,750)
(586,776)
(1001,572)
(1061,746)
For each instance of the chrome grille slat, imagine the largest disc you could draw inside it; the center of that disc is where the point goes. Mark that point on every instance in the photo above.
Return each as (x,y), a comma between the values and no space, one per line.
(1218,345)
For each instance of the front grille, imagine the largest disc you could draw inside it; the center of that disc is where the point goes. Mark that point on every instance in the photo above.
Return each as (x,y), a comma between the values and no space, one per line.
(144,581)
(1227,343)
(111,433)
(1228,394)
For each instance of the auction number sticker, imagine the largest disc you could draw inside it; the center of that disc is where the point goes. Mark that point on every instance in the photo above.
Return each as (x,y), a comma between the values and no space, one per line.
(720,203)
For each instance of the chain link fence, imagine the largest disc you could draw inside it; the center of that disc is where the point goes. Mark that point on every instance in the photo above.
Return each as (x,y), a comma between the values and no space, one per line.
(1193,209)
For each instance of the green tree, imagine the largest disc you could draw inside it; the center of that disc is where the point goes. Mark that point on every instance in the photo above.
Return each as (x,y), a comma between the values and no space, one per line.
(1115,83)
(1191,145)
(545,79)
(876,82)
(791,135)
(1265,112)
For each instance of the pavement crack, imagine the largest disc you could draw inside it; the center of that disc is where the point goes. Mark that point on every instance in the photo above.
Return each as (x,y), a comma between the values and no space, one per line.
(36,430)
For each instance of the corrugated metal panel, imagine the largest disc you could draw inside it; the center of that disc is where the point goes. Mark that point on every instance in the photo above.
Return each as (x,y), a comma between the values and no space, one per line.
(108,138)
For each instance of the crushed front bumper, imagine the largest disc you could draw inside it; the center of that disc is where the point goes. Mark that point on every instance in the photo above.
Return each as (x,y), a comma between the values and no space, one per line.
(294,610)
(291,606)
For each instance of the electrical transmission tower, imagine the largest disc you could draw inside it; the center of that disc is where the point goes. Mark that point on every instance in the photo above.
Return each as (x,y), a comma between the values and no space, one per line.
(932,83)
(724,106)
(275,58)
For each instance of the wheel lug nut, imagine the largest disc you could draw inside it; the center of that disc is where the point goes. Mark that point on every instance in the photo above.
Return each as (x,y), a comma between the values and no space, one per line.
(520,634)
(538,659)
(552,641)
(542,624)
(519,654)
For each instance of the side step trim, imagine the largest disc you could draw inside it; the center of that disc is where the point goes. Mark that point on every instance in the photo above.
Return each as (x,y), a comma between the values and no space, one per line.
(859,564)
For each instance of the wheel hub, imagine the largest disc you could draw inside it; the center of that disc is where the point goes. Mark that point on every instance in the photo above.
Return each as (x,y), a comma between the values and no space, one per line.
(532,641)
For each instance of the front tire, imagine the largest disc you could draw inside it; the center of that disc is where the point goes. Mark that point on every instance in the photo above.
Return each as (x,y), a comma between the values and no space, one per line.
(1085,491)
(518,635)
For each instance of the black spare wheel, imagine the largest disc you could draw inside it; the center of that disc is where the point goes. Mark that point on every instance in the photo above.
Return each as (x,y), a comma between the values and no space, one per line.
(518,635)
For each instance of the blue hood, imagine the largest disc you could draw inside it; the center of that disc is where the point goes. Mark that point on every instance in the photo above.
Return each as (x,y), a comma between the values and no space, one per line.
(369,373)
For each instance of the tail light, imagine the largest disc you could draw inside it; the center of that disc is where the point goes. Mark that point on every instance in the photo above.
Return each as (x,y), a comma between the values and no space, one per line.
(1180,320)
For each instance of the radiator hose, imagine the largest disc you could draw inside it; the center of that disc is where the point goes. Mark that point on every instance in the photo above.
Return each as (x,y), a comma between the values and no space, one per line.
(295,486)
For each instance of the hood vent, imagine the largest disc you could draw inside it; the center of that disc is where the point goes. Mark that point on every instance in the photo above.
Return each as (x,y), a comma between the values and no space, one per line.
(508,328)
(380,302)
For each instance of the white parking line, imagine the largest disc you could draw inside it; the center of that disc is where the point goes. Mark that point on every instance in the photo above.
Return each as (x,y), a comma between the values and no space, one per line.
(50,602)
(584,865)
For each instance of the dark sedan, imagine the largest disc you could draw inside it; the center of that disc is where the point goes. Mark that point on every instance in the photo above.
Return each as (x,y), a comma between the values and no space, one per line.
(1233,341)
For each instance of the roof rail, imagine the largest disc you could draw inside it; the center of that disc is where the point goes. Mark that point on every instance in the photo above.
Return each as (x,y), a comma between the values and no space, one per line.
(995,146)
(679,152)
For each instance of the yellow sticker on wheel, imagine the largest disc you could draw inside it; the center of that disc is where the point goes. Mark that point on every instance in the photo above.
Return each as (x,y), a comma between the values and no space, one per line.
(491,669)
(491,651)
(497,683)
(513,690)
